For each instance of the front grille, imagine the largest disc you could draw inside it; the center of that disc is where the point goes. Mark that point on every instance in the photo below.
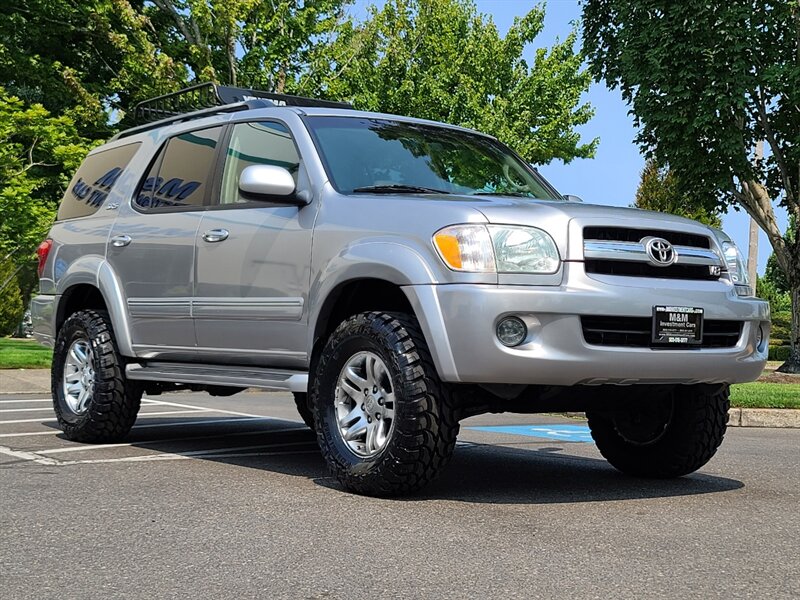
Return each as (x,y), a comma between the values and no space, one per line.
(613,250)
(628,234)
(637,269)
(637,332)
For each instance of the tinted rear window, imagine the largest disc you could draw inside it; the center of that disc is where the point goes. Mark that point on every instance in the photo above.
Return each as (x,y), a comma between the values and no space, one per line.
(95,178)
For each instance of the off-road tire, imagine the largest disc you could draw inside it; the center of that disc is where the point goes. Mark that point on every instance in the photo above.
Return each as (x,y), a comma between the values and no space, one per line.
(112,409)
(689,440)
(426,421)
(303,409)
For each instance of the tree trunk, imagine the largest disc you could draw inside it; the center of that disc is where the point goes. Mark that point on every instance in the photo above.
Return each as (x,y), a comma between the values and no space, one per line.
(792,364)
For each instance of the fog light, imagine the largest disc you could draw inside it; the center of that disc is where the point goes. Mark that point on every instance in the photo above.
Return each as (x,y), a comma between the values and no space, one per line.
(511,331)
(759,337)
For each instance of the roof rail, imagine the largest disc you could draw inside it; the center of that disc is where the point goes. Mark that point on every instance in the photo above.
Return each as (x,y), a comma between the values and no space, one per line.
(206,99)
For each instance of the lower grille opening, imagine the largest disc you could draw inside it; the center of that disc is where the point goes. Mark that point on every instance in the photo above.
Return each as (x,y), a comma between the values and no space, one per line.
(636,332)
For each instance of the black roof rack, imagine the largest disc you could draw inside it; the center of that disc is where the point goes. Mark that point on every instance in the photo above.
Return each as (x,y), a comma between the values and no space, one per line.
(206,99)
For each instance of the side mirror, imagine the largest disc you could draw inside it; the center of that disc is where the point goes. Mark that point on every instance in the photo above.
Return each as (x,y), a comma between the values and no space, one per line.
(571,198)
(270,183)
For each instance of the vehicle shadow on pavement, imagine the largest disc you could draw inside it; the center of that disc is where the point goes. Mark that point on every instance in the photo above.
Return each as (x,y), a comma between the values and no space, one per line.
(478,473)
(498,475)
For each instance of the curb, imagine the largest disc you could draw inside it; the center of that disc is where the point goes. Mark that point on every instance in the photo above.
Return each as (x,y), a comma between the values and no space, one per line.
(777,418)
(764,417)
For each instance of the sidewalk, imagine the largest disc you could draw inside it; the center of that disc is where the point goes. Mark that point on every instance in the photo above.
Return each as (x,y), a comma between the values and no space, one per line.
(37,381)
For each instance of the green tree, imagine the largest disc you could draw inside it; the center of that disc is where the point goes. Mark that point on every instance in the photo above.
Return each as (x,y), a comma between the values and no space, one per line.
(86,59)
(11,305)
(441,60)
(38,154)
(254,43)
(705,82)
(659,190)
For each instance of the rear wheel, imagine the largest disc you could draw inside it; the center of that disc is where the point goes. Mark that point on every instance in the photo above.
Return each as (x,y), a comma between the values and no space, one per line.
(386,424)
(93,400)
(667,437)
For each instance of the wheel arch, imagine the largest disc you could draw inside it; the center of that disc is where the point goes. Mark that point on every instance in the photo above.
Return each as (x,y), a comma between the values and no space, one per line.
(101,290)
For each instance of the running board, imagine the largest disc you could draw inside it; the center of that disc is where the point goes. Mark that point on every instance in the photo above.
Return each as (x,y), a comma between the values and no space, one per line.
(268,379)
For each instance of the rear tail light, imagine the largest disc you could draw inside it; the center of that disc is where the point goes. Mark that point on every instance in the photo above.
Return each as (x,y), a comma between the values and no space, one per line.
(42,251)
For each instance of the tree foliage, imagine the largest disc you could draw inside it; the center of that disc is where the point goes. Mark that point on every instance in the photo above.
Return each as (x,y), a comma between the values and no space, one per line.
(660,190)
(255,43)
(705,82)
(441,60)
(11,305)
(38,154)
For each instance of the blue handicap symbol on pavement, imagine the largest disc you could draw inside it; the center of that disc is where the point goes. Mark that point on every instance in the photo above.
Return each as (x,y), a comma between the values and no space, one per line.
(565,433)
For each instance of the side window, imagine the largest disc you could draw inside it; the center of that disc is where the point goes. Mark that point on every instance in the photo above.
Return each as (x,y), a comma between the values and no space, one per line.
(180,174)
(258,143)
(93,181)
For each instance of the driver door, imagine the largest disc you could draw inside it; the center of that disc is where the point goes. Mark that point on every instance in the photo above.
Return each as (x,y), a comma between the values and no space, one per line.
(253,260)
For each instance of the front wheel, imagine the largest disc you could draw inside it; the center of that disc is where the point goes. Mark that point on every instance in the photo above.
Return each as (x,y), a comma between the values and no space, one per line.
(386,424)
(665,437)
(93,400)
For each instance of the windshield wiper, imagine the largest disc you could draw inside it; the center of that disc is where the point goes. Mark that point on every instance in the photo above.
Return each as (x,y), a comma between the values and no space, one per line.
(396,188)
(514,194)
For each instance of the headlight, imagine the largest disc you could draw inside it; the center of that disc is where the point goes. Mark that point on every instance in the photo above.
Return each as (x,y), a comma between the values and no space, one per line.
(524,250)
(737,268)
(497,249)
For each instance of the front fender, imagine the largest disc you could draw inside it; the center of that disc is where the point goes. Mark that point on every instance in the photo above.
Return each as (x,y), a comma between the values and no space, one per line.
(400,265)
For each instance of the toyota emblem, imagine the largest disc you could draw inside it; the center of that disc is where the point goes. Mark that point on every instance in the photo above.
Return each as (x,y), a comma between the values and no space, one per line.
(659,251)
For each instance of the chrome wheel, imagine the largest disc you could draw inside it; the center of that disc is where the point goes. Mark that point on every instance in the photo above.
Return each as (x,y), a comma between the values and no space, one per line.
(78,381)
(365,404)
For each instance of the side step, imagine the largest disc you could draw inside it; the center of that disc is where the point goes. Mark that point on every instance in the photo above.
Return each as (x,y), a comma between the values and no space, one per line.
(268,379)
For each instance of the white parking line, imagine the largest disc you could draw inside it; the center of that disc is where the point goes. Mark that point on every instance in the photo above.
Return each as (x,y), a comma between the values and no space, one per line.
(204,422)
(149,426)
(8,410)
(155,414)
(13,421)
(159,457)
(23,401)
(10,435)
(167,440)
(212,453)
(42,460)
(219,410)
(169,412)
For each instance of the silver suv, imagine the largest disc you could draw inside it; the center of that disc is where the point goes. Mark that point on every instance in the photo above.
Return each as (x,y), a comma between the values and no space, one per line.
(397,275)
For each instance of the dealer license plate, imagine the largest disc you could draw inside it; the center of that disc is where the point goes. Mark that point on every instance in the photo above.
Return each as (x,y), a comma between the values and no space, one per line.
(677,325)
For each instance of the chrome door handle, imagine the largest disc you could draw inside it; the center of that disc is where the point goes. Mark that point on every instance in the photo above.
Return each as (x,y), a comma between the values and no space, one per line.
(216,235)
(120,241)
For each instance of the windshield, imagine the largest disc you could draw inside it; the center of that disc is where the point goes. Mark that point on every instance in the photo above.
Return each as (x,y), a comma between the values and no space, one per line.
(384,156)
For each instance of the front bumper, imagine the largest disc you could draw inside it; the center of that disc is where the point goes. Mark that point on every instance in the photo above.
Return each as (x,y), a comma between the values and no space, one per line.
(459,322)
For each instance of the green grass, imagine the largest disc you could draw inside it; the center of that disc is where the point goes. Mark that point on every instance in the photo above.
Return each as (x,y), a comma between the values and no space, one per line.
(765,395)
(24,354)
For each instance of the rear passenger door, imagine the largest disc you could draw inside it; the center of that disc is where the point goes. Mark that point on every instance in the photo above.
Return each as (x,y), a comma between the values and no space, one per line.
(253,259)
(151,247)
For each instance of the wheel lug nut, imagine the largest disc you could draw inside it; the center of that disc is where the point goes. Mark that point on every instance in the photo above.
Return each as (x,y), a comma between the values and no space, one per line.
(362,407)
(375,389)
(369,419)
(380,401)
(378,416)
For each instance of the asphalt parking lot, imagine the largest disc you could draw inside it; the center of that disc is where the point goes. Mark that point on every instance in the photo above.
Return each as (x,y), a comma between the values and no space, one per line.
(229,498)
